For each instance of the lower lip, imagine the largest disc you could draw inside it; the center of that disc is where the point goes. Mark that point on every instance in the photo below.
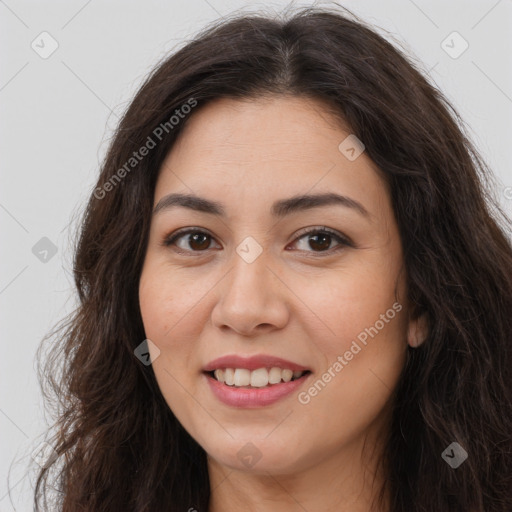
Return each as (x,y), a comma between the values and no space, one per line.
(256,397)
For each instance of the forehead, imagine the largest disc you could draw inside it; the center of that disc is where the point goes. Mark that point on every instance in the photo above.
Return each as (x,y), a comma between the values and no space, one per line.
(271,146)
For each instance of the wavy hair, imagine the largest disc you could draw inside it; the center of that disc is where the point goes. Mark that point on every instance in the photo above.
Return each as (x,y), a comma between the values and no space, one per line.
(118,445)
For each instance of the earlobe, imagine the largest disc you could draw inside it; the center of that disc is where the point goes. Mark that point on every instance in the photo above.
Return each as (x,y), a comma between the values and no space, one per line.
(417,331)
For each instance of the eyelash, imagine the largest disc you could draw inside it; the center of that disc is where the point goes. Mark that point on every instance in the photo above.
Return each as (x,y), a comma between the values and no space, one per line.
(338,237)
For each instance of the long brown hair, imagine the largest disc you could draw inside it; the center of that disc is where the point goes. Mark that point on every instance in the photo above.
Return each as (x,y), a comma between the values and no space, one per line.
(119,446)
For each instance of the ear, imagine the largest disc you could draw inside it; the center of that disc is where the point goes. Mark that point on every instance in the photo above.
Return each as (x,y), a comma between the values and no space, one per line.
(417,331)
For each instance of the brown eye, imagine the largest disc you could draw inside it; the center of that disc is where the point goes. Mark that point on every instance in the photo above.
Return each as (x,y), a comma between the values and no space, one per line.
(320,241)
(191,240)
(313,241)
(199,241)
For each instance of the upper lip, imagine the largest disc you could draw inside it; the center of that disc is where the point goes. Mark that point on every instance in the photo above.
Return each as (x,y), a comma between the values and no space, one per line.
(252,363)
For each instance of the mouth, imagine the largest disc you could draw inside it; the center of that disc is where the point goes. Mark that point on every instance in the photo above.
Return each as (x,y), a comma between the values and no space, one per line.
(255,381)
(245,389)
(259,378)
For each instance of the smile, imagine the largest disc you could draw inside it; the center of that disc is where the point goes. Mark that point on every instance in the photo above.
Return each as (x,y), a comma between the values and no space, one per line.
(255,381)
(259,378)
(252,397)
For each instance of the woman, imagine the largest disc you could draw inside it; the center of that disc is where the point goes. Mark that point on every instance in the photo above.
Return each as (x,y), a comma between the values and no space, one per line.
(293,293)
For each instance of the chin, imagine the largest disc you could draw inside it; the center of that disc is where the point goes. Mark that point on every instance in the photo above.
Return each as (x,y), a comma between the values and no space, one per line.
(258,455)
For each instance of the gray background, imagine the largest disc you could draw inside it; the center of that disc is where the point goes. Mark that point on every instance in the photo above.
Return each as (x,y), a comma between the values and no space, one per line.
(57,114)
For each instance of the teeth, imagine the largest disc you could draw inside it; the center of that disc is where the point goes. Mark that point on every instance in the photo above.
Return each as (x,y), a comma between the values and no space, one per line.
(287,375)
(274,376)
(259,378)
(242,377)
(229,376)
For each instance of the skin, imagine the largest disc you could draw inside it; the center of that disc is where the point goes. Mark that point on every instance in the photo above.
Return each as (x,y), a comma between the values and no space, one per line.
(293,301)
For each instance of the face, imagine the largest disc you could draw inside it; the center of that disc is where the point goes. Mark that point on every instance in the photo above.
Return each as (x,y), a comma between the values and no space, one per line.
(264,282)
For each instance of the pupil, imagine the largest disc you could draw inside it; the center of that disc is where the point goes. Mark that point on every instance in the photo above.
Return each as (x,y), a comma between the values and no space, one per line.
(324,238)
(196,238)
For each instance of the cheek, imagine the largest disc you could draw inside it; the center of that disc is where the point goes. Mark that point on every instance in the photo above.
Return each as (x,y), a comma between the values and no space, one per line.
(174,310)
(363,349)
(362,366)
(169,302)
(168,313)
(359,305)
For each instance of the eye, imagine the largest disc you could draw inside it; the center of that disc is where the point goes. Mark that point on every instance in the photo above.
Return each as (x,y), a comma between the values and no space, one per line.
(321,239)
(194,240)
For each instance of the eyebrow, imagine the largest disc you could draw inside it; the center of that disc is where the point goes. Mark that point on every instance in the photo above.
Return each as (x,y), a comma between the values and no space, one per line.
(279,209)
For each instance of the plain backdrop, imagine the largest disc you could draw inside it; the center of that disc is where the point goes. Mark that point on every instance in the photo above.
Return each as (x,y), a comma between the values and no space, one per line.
(58,111)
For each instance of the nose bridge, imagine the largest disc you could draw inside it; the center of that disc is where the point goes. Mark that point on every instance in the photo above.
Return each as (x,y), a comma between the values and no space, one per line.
(250,275)
(251,294)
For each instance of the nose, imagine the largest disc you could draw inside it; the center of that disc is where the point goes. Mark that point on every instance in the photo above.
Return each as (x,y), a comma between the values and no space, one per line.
(252,299)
